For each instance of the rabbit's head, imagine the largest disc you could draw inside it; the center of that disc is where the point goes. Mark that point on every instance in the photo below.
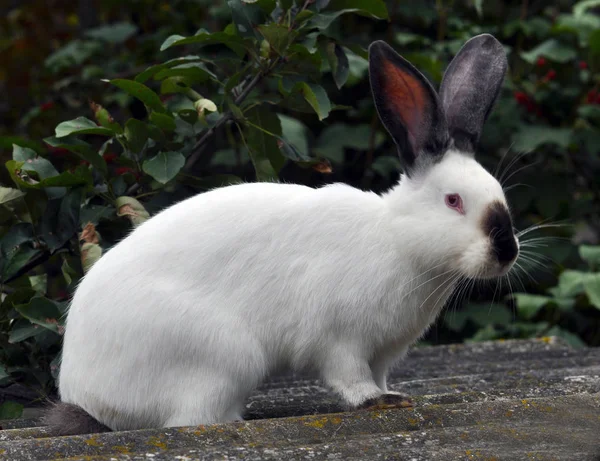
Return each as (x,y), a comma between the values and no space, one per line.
(457,208)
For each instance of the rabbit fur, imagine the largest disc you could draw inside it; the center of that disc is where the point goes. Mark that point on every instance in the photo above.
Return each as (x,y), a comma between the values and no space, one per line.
(179,322)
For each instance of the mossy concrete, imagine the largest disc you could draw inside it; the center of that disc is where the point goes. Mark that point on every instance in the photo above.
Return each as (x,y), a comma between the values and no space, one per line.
(510,400)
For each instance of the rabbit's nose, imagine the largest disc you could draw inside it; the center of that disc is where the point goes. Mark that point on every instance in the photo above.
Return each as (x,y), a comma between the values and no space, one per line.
(497,224)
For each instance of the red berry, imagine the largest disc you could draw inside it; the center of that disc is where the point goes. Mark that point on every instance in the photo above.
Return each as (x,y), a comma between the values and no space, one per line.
(591,96)
(551,75)
(583,65)
(84,162)
(123,170)
(541,61)
(110,157)
(521,97)
(47,106)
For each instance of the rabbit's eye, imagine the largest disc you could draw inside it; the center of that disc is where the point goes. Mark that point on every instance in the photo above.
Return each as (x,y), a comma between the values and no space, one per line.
(454,201)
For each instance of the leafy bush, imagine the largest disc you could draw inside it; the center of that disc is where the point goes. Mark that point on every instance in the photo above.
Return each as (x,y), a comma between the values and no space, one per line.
(269,90)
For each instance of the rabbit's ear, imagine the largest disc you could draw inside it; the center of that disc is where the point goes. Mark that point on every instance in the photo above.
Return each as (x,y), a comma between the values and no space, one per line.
(408,106)
(470,87)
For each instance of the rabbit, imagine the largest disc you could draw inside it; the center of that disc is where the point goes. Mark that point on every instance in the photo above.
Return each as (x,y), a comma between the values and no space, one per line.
(180,321)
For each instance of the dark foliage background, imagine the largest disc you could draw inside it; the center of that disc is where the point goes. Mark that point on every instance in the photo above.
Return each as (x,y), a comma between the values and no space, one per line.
(113,110)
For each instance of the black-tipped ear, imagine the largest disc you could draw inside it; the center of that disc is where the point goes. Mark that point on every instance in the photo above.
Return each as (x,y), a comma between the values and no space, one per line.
(470,87)
(407,104)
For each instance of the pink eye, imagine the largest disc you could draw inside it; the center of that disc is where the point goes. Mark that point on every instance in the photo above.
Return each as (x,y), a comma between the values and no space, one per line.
(455,202)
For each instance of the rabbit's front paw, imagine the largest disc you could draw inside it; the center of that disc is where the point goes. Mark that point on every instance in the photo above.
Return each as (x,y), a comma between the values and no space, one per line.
(387,401)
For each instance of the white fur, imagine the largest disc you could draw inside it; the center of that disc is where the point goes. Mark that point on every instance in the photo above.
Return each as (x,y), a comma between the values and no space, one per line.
(180,321)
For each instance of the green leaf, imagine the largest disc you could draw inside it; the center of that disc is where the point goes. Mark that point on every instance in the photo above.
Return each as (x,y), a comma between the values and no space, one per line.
(60,221)
(264,143)
(41,311)
(153,70)
(580,8)
(279,36)
(338,61)
(589,253)
(21,332)
(372,8)
(337,137)
(594,42)
(165,122)
(294,135)
(136,134)
(408,38)
(456,319)
(17,259)
(233,42)
(487,333)
(551,49)
(54,185)
(530,137)
(246,18)
(303,16)
(74,53)
(68,272)
(26,162)
(570,283)
(486,313)
(304,62)
(316,96)
(174,85)
(591,285)
(141,92)
(192,73)
(133,209)
(31,162)
(8,194)
(589,111)
(11,410)
(81,177)
(164,166)
(17,234)
(529,305)
(81,149)
(39,283)
(569,337)
(94,213)
(478,4)
(81,125)
(113,33)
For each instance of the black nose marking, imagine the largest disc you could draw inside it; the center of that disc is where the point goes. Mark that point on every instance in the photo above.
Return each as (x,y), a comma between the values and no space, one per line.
(497,223)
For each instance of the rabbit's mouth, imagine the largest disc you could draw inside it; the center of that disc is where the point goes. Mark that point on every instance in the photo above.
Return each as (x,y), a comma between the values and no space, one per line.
(483,261)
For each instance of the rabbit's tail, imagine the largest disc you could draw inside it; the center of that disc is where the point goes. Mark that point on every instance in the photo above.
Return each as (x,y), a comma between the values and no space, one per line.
(68,419)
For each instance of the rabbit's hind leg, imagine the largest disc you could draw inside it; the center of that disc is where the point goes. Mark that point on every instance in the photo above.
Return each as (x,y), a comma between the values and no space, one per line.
(212,399)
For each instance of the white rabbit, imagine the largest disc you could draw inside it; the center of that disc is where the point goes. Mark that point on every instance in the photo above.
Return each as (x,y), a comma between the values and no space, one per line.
(178,323)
